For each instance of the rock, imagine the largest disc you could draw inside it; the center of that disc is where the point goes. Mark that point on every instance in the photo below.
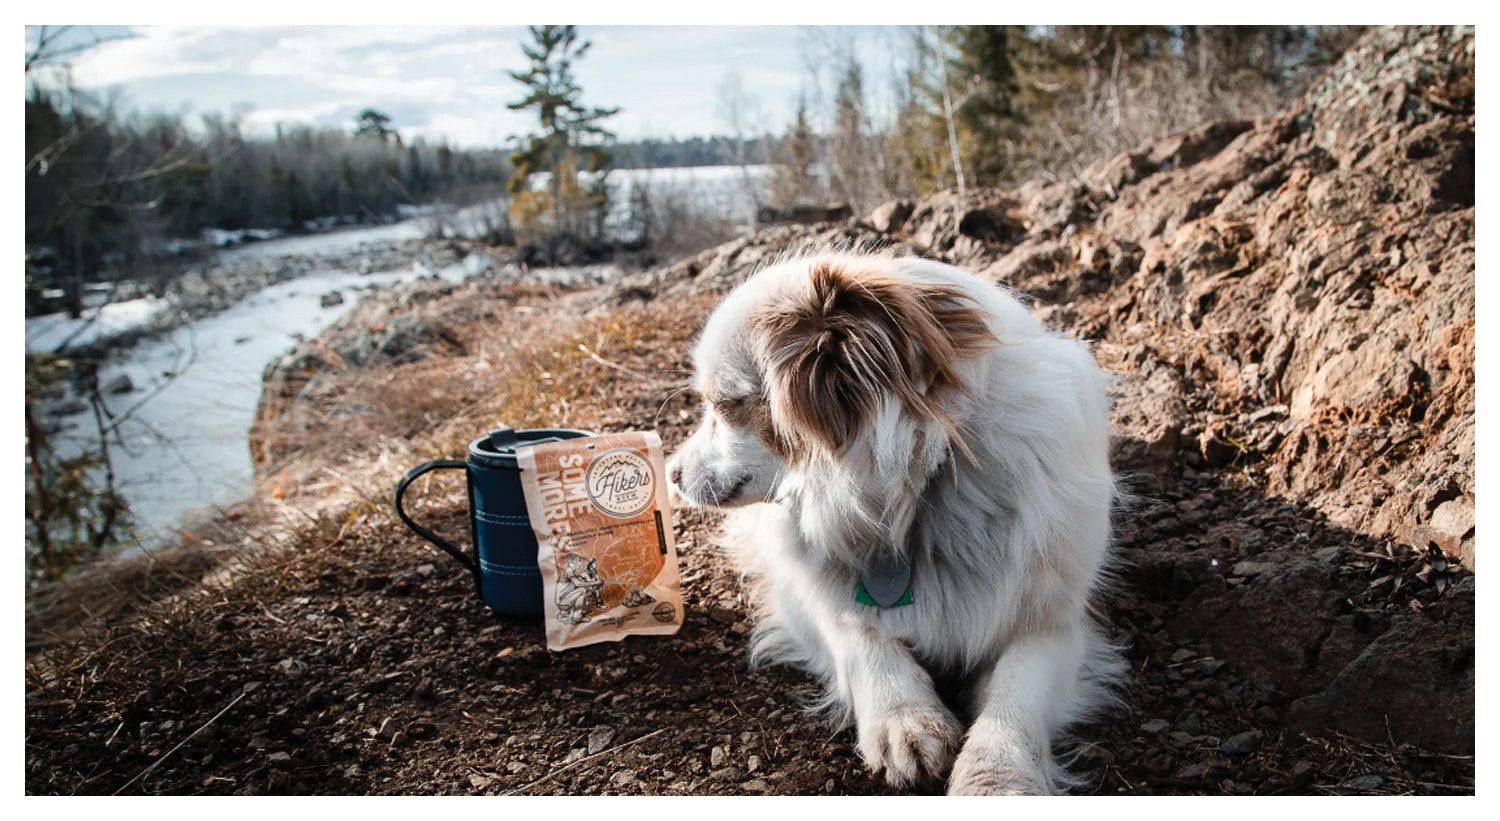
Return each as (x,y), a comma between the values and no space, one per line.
(599,739)
(280,759)
(1155,726)
(1249,567)
(1216,452)
(118,385)
(1414,684)
(67,407)
(622,779)
(1454,518)
(716,757)
(331,299)
(723,615)
(1146,425)
(832,212)
(1363,783)
(1242,743)
(292,668)
(889,217)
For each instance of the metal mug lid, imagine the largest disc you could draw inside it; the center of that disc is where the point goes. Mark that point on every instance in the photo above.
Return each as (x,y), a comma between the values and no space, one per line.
(497,449)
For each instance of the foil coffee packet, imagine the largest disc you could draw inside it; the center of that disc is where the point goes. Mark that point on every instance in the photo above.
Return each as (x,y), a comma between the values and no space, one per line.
(603,527)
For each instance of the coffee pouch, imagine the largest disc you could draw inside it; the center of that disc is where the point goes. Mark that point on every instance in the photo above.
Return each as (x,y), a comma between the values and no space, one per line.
(603,526)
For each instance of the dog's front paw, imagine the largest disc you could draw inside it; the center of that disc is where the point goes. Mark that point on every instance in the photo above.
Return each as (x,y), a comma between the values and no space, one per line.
(910,744)
(982,775)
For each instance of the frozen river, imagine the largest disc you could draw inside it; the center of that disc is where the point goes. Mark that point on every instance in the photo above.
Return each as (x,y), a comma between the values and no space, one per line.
(185,445)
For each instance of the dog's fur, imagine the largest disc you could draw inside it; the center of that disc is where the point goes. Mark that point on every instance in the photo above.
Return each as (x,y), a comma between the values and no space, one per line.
(904,406)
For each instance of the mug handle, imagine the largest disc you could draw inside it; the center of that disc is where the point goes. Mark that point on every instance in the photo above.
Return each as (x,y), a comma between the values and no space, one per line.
(447,546)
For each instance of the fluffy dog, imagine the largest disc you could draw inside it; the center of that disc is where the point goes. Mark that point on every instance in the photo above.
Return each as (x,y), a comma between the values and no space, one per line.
(926,493)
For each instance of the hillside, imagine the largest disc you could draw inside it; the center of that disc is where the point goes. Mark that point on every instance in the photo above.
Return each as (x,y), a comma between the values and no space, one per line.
(1288,304)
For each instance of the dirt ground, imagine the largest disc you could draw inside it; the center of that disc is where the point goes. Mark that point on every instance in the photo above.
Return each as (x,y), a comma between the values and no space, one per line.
(348,657)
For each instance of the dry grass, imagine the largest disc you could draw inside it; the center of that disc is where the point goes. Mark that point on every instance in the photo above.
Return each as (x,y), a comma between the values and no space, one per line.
(532,357)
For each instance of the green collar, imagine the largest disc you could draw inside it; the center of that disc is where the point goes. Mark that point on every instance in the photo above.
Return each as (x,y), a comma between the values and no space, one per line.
(885,583)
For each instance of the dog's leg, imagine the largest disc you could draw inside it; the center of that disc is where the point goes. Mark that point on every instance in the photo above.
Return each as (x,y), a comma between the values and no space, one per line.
(1009,747)
(904,730)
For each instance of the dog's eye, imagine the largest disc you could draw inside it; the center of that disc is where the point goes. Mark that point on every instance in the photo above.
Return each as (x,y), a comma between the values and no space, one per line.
(736,410)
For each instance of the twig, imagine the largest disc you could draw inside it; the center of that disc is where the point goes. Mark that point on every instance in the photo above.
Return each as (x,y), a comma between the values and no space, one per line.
(270,615)
(608,364)
(1432,785)
(164,755)
(584,760)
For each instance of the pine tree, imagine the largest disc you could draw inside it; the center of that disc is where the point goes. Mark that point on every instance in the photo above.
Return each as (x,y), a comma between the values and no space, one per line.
(985,115)
(571,136)
(792,178)
(374,123)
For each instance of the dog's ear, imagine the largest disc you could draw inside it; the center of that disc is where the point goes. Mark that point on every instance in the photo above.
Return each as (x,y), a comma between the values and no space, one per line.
(839,345)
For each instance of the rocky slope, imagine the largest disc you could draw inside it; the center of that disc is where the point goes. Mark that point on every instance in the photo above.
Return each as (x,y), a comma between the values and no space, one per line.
(1288,303)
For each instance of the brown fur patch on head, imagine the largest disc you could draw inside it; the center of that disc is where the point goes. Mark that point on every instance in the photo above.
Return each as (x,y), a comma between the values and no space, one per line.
(850,335)
(751,413)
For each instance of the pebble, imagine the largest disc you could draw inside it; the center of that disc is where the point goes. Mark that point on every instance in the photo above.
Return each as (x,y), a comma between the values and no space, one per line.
(1179,739)
(717,757)
(1190,771)
(1155,726)
(1208,666)
(280,759)
(623,778)
(1251,568)
(723,615)
(600,739)
(1242,743)
(1363,782)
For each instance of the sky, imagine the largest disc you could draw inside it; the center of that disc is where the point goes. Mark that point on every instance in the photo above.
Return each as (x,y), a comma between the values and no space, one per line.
(453,82)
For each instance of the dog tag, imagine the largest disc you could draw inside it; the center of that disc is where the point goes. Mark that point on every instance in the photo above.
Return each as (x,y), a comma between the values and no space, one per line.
(885,583)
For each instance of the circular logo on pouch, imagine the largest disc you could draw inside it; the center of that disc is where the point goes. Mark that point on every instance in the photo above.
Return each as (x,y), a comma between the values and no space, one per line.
(664,612)
(620,483)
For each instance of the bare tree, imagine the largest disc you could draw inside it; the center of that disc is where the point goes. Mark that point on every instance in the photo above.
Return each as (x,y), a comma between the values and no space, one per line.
(742,113)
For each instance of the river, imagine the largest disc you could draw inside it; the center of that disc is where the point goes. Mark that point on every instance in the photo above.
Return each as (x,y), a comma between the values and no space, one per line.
(195,389)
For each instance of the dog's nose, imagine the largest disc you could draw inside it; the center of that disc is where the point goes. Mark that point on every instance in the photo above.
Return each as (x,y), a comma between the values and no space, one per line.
(674,472)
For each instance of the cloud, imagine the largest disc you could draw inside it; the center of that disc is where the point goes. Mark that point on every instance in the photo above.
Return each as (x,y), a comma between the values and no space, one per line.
(451,81)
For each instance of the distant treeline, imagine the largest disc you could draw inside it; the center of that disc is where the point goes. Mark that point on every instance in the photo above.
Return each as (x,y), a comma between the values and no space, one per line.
(694,152)
(105,193)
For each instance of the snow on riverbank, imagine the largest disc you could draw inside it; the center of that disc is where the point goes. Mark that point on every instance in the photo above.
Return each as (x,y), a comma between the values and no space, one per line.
(185,448)
(46,333)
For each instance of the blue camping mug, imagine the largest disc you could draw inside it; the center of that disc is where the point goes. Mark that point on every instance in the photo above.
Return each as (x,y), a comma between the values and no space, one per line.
(504,562)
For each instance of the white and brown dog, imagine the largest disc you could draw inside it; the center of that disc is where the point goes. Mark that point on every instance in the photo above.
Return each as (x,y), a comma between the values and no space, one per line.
(934,467)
